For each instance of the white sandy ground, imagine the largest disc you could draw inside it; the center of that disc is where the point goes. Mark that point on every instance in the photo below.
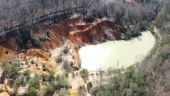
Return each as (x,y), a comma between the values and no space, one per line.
(1,71)
(116,54)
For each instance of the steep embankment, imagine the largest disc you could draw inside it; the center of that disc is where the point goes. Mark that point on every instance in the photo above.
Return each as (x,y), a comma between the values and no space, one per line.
(73,30)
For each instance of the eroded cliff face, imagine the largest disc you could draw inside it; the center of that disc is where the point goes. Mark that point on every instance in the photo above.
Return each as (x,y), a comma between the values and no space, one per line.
(37,43)
(5,54)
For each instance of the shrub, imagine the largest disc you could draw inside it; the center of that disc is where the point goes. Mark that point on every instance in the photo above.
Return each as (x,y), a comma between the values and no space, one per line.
(34,82)
(67,67)
(26,72)
(11,69)
(82,90)
(63,92)
(164,56)
(84,73)
(50,90)
(17,83)
(32,91)
(89,86)
(51,77)
(61,81)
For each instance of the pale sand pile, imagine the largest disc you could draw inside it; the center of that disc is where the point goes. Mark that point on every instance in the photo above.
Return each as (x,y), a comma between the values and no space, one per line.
(4,94)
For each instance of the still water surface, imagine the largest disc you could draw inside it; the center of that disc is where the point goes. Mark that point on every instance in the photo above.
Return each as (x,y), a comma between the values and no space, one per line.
(117,54)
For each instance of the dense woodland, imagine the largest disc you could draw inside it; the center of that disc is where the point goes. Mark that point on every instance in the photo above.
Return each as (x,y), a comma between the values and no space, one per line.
(139,13)
(14,12)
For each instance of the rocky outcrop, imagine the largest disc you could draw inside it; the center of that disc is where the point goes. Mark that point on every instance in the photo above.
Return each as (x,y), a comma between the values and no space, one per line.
(38,53)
